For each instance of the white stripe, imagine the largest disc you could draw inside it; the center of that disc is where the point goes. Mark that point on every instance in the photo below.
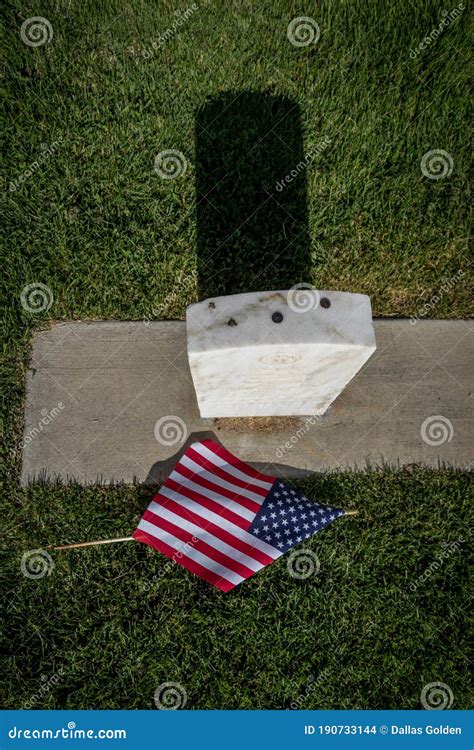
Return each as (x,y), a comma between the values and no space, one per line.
(190,552)
(205,536)
(232,505)
(203,450)
(202,472)
(223,523)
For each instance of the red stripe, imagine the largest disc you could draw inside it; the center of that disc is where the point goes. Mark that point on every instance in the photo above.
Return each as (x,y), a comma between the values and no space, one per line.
(216,507)
(222,473)
(224,453)
(199,544)
(221,583)
(208,485)
(222,534)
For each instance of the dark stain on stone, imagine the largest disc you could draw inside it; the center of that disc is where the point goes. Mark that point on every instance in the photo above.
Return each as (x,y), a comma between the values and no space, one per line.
(231,322)
(212,305)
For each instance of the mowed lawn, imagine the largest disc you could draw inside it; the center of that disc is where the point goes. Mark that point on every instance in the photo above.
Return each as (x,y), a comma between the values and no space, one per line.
(88,216)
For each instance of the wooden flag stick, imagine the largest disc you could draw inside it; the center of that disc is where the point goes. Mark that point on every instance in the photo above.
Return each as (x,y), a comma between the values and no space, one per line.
(131,538)
(93,544)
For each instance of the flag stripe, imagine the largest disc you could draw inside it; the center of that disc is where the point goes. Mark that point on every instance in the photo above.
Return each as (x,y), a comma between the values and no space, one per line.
(192,470)
(219,471)
(198,543)
(221,527)
(234,505)
(190,553)
(219,508)
(203,533)
(191,565)
(220,457)
(256,475)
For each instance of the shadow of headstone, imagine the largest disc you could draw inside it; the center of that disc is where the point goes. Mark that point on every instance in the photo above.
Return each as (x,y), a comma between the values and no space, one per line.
(252,231)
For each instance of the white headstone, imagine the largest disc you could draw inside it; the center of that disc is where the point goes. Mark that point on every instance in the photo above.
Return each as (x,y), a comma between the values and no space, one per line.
(282,353)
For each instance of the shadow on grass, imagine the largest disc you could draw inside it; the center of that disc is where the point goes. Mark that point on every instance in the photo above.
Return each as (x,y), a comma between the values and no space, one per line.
(252,227)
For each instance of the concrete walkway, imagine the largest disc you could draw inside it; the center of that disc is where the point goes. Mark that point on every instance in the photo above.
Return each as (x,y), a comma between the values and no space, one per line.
(114,401)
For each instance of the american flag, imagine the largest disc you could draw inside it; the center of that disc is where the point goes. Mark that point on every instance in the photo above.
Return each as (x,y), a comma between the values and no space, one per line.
(223,520)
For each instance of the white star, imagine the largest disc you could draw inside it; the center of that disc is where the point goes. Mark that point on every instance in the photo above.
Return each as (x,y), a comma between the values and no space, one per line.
(263,518)
(312,513)
(299,539)
(275,525)
(297,528)
(273,515)
(287,531)
(276,494)
(303,515)
(266,528)
(284,522)
(293,492)
(332,518)
(280,502)
(268,538)
(280,544)
(270,505)
(278,535)
(283,512)
(305,526)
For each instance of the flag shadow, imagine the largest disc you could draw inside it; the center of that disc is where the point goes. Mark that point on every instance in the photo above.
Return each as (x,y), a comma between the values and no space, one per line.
(162,469)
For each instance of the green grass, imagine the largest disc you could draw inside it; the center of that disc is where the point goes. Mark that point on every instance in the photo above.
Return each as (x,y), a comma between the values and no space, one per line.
(98,226)
(116,622)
